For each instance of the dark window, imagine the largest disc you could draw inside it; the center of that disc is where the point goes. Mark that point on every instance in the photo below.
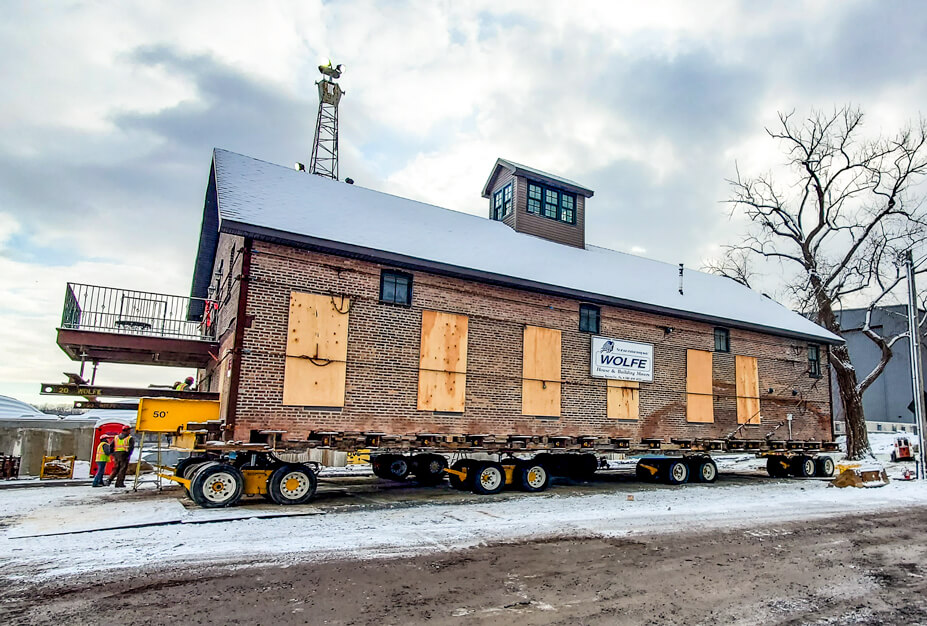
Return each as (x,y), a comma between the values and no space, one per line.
(534,198)
(566,208)
(589,318)
(396,287)
(551,203)
(814,361)
(502,202)
(722,340)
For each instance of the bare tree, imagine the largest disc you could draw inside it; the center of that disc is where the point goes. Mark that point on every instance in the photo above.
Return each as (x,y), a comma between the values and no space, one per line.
(835,230)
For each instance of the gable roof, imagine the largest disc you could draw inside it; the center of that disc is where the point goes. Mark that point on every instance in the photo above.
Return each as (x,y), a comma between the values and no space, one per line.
(269,202)
(523,170)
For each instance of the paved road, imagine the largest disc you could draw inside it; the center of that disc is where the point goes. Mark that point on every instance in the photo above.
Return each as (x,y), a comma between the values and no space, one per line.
(858,569)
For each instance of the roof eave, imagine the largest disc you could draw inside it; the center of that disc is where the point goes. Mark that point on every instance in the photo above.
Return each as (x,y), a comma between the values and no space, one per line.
(492,173)
(261,233)
(550,180)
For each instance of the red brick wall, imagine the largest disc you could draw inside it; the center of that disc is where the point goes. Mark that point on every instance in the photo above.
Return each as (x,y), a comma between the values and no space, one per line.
(229,258)
(383,352)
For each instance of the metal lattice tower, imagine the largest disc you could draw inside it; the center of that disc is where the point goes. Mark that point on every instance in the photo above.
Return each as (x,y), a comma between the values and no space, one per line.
(324,161)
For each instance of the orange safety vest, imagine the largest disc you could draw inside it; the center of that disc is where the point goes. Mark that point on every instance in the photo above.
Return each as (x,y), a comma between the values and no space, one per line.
(102,457)
(122,445)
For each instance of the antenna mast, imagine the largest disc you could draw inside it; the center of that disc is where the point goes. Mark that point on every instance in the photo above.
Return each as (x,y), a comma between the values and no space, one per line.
(324,160)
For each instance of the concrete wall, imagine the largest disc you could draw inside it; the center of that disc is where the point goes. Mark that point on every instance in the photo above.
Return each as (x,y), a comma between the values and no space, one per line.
(33,439)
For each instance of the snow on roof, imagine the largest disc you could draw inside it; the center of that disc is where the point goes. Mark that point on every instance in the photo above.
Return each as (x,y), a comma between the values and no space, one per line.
(519,169)
(271,201)
(13,409)
(111,416)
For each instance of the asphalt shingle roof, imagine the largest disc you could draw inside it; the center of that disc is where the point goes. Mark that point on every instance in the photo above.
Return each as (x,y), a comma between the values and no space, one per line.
(271,201)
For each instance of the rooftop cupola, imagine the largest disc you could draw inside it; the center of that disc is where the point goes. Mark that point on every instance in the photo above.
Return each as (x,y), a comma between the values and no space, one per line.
(537,203)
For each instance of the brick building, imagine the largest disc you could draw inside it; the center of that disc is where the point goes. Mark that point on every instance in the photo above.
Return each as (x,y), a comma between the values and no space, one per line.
(338,308)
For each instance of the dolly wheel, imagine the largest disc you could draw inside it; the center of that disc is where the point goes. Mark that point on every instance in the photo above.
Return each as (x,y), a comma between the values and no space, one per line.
(583,466)
(216,486)
(463,484)
(292,484)
(186,468)
(677,472)
(532,477)
(824,466)
(429,468)
(378,465)
(777,466)
(647,470)
(802,466)
(397,468)
(707,471)
(488,477)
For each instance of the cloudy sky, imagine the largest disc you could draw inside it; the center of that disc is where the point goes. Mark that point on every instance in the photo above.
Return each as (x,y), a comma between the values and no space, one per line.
(110,112)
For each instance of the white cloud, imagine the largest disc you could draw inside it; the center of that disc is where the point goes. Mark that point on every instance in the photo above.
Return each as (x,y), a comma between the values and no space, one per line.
(9,226)
(104,151)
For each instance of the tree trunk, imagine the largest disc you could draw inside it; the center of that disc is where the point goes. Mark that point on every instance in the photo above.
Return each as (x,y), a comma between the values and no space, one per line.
(852,400)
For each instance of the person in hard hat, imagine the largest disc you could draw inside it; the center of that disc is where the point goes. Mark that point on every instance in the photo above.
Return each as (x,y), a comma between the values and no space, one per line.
(104,450)
(122,450)
(186,385)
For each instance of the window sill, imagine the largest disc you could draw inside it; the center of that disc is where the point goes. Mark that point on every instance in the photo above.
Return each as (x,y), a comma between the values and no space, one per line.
(399,304)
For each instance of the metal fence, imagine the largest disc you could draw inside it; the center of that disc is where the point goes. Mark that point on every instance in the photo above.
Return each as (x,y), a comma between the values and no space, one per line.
(128,312)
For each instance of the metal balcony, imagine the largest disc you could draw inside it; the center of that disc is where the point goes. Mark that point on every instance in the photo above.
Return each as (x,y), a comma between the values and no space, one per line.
(125,326)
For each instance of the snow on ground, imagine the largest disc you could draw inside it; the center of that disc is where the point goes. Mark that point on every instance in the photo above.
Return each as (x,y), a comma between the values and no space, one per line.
(882,444)
(388,530)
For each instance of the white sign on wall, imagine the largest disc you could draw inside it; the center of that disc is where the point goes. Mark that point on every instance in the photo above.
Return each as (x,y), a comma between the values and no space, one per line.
(622,360)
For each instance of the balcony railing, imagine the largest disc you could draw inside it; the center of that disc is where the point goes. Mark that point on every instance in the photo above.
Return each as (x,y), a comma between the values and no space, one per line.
(128,312)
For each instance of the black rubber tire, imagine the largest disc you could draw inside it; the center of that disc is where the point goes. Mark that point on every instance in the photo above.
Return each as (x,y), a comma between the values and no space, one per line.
(583,466)
(183,464)
(532,476)
(802,466)
(488,478)
(300,493)
(185,468)
(703,470)
(379,462)
(205,487)
(463,484)
(676,472)
(643,473)
(775,468)
(824,466)
(556,464)
(429,468)
(398,467)
(191,471)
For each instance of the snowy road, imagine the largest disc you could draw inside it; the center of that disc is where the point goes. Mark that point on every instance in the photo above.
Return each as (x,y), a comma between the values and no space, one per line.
(380,525)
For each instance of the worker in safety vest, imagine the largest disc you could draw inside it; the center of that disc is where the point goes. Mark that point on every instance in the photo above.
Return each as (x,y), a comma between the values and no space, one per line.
(186,385)
(122,450)
(104,450)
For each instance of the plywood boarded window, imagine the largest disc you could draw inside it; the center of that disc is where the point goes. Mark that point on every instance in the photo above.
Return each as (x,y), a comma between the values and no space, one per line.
(699,393)
(540,385)
(316,350)
(442,373)
(748,390)
(623,402)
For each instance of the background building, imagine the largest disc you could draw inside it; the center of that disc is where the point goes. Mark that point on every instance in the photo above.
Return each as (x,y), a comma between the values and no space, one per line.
(888,400)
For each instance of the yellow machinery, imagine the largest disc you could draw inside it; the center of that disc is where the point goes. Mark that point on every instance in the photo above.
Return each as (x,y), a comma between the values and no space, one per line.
(57,467)
(218,474)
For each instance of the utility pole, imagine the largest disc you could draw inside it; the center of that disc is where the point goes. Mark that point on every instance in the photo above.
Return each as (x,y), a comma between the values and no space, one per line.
(917,366)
